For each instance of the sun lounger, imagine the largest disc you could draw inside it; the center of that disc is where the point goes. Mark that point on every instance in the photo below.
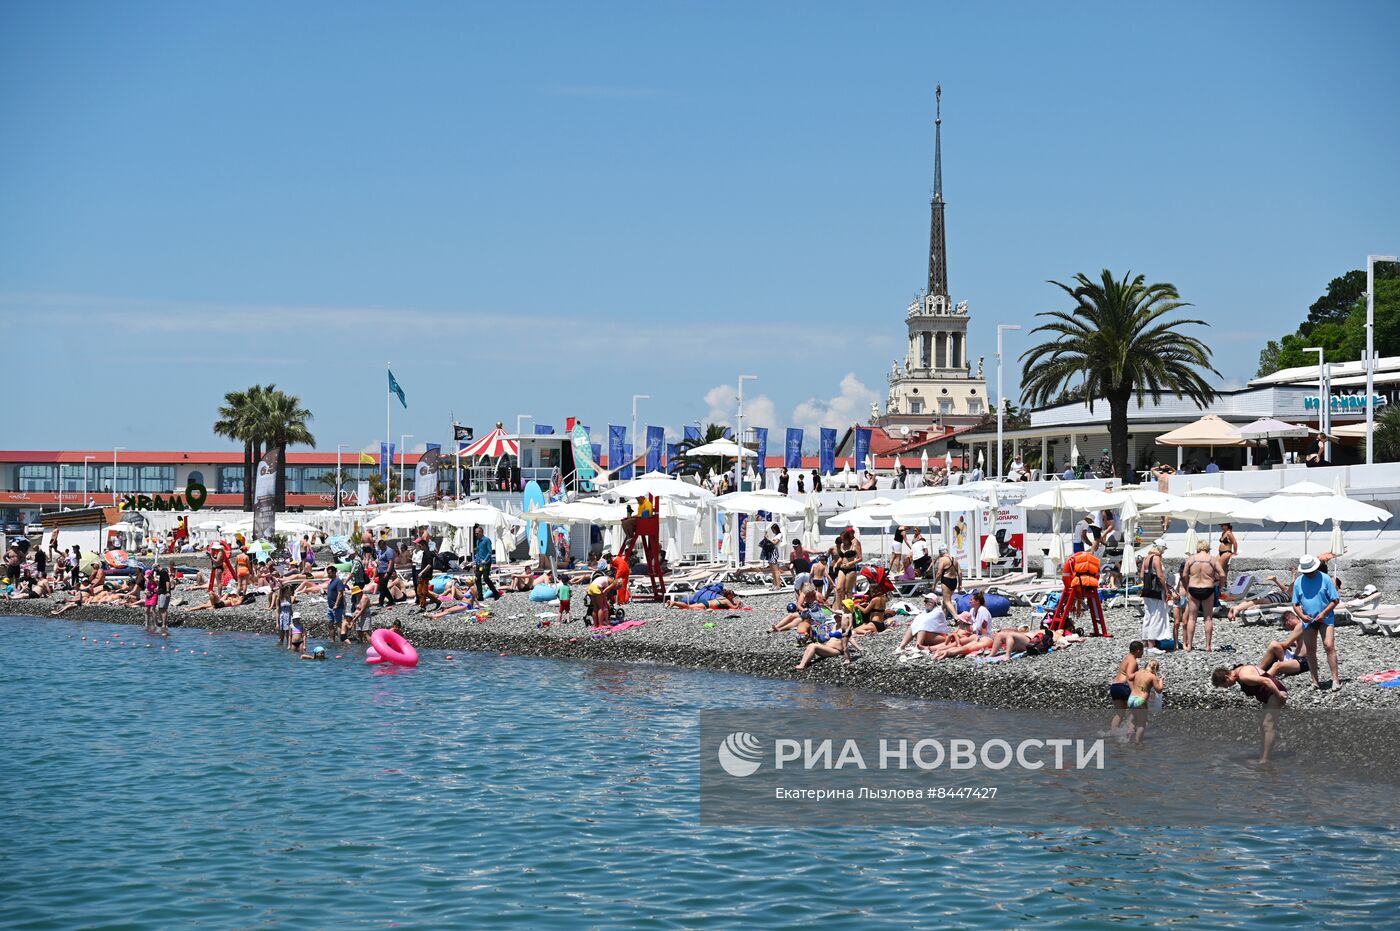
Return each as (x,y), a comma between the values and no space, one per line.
(1379,618)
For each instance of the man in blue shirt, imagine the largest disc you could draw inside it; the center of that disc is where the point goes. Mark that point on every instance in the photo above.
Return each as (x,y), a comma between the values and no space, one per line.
(384,568)
(335,601)
(483,555)
(1212,468)
(1315,597)
(1068,474)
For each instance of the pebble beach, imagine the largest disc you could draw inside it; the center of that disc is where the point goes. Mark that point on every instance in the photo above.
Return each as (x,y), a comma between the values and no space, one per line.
(738,642)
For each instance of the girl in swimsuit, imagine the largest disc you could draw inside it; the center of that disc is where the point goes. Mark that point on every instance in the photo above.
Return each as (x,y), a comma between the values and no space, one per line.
(1144,683)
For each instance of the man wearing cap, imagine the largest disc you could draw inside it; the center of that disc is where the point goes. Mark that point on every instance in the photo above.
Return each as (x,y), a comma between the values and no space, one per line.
(1315,598)
(1086,534)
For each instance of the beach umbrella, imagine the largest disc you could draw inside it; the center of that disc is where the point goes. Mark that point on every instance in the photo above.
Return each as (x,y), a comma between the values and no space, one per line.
(1128,518)
(730,547)
(811,537)
(493,445)
(1067,495)
(920,508)
(659,484)
(878,512)
(764,499)
(697,539)
(723,448)
(991,550)
(1311,503)
(923,463)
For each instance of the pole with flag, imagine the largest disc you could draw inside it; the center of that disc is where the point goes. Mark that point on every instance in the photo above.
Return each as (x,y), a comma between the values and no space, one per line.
(392,389)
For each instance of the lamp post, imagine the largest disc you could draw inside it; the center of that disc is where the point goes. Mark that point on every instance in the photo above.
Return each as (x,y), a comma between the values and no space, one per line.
(114,474)
(739,459)
(339,475)
(86,460)
(1371,261)
(635,399)
(1001,397)
(403,455)
(1324,400)
(519,423)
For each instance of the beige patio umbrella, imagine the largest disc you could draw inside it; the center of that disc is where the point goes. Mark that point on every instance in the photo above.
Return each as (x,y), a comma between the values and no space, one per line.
(1209,432)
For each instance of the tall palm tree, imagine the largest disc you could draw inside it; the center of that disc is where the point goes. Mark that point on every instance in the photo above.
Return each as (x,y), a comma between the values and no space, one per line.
(698,465)
(239,419)
(1117,343)
(281,422)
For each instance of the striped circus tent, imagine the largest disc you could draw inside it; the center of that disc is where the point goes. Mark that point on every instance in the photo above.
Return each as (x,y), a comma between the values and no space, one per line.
(494,444)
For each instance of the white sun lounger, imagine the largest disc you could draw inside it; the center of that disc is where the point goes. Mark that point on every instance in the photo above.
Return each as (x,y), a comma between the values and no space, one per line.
(1382,619)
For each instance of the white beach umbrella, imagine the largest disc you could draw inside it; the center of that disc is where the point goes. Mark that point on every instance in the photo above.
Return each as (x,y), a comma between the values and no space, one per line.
(697,539)
(1311,503)
(1070,495)
(1128,519)
(877,512)
(764,499)
(991,551)
(923,463)
(659,484)
(918,509)
(724,448)
(589,511)
(811,514)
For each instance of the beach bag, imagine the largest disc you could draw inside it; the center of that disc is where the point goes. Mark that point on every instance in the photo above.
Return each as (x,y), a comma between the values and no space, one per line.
(766,548)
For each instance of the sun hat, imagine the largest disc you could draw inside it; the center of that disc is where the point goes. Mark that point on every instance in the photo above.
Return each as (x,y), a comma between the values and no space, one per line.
(1308,564)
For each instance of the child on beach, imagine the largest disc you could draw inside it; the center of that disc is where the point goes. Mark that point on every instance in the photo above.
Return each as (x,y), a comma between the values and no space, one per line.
(150,600)
(286,597)
(564,593)
(1121,689)
(1144,683)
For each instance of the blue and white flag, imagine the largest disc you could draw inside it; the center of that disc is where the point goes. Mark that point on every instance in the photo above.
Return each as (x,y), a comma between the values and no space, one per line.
(761,433)
(862,448)
(692,432)
(617,452)
(827,464)
(396,390)
(656,440)
(793,457)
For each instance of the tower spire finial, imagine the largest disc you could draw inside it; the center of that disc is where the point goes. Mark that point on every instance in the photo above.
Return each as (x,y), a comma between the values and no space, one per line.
(937,244)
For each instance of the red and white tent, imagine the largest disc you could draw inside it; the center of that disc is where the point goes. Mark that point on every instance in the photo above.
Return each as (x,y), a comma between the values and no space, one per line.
(494,444)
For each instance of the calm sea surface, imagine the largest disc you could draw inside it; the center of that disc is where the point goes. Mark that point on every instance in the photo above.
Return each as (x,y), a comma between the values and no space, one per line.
(150,788)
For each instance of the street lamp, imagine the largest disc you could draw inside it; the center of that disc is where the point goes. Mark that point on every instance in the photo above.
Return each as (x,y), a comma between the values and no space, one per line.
(739,459)
(1371,261)
(1001,397)
(403,456)
(114,474)
(519,421)
(339,475)
(1324,400)
(635,399)
(86,499)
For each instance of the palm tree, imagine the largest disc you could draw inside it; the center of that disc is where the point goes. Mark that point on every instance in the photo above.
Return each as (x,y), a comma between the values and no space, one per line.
(1387,434)
(1117,343)
(698,465)
(281,421)
(239,420)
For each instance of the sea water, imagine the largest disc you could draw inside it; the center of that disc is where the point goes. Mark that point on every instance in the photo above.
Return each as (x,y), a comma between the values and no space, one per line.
(215,781)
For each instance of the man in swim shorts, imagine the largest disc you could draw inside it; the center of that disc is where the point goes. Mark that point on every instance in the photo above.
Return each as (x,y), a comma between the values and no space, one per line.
(1200,577)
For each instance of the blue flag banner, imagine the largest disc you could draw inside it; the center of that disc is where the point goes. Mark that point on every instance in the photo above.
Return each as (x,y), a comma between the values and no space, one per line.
(761,433)
(428,446)
(692,432)
(597,452)
(386,462)
(628,456)
(793,456)
(396,390)
(728,433)
(543,429)
(656,441)
(617,441)
(862,448)
(672,457)
(828,451)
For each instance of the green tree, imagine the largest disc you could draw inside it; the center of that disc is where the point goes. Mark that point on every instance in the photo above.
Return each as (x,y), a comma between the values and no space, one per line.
(1117,342)
(238,419)
(1334,306)
(1387,434)
(282,422)
(1337,323)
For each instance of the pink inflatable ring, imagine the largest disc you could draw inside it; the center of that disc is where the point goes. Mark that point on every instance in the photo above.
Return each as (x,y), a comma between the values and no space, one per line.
(394,648)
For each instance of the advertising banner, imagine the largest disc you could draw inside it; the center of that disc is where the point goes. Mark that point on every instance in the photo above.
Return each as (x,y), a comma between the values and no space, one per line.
(761,434)
(828,451)
(617,449)
(862,448)
(792,457)
(656,440)
(425,478)
(265,495)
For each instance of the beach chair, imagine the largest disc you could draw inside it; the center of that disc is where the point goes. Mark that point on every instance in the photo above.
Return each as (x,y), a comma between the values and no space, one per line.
(1379,619)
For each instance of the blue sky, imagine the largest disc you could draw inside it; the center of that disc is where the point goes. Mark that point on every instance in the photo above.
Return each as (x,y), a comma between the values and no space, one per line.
(546,208)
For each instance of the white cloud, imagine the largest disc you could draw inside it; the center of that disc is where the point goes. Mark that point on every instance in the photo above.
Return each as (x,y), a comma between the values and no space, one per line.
(723,404)
(851,406)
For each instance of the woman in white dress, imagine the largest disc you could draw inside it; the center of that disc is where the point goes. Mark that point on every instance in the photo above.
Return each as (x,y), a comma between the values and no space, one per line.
(1156,623)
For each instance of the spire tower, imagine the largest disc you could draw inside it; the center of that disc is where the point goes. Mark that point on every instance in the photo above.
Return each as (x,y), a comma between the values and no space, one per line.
(937,240)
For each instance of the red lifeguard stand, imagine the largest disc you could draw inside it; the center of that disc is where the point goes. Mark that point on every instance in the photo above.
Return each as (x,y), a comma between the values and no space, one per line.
(647,529)
(1081,591)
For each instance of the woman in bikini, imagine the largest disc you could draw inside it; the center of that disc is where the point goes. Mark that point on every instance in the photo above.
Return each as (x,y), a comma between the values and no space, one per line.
(1263,687)
(818,645)
(848,558)
(1229,549)
(948,574)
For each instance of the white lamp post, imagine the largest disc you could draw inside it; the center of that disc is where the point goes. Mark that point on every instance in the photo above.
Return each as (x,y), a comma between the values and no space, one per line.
(635,399)
(114,474)
(86,460)
(1001,397)
(1324,400)
(520,423)
(403,455)
(739,459)
(1371,261)
(339,475)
